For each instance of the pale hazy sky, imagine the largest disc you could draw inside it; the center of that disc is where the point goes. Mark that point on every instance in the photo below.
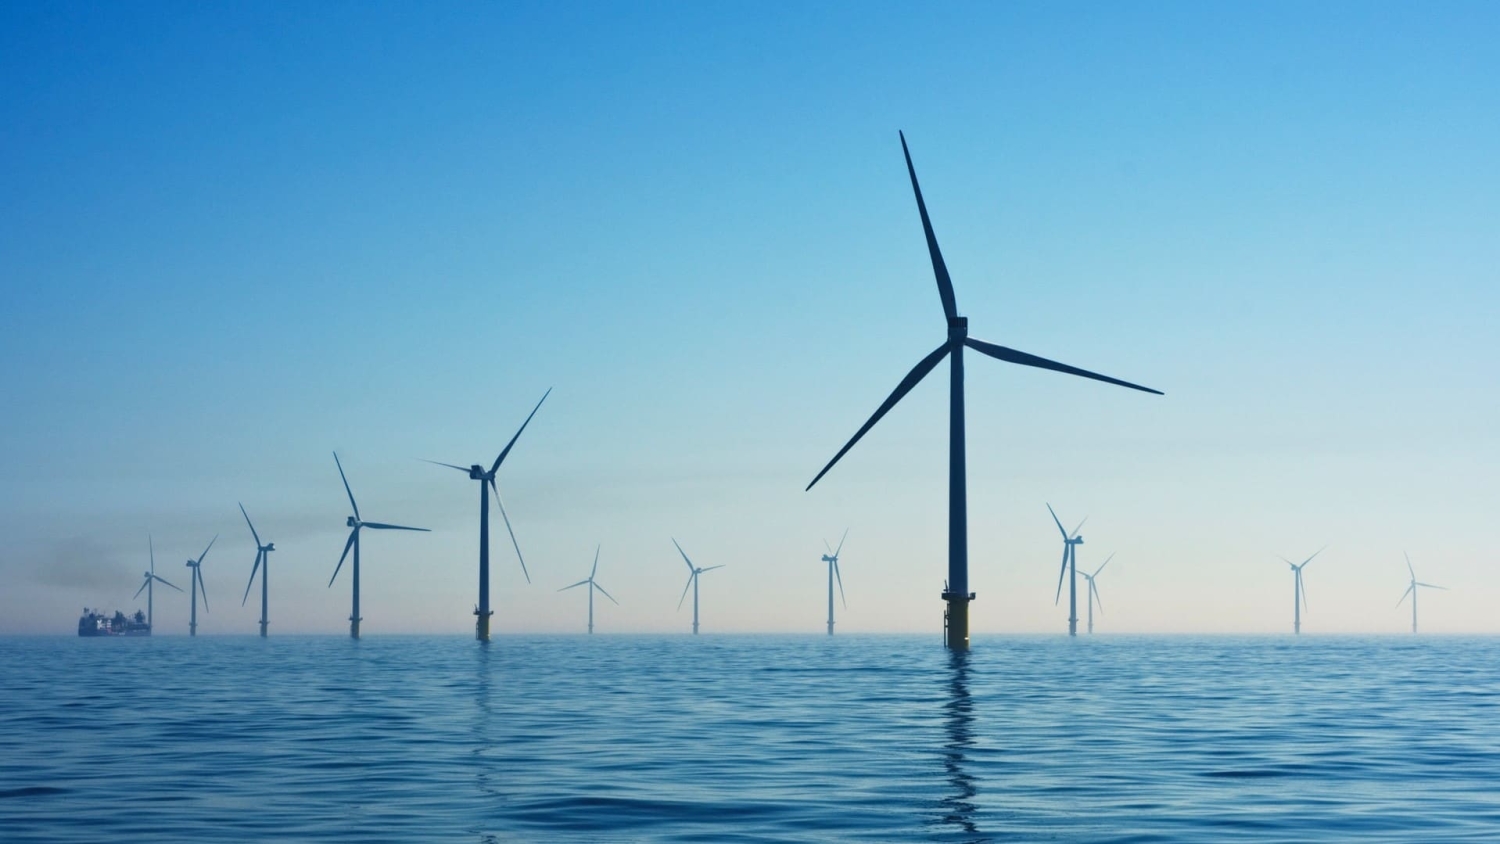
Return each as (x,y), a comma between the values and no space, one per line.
(235,237)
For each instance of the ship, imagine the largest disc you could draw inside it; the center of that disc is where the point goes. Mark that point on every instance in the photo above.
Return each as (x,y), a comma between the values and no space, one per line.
(99,623)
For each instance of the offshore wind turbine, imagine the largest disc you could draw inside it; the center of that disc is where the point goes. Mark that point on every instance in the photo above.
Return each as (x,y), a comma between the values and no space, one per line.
(1094,591)
(956,591)
(1299,592)
(262,555)
(150,578)
(694,571)
(355,524)
(196,587)
(1412,591)
(832,559)
(592,586)
(482,611)
(1069,563)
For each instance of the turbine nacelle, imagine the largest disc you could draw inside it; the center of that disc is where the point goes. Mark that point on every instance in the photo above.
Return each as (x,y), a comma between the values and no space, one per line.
(351,522)
(270,546)
(958,329)
(476,473)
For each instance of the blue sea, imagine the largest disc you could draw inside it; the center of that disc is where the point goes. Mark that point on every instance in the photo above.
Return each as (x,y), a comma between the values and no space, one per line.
(750,738)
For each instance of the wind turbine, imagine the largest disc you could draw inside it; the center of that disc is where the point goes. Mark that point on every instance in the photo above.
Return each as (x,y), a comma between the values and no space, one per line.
(150,578)
(486,480)
(355,523)
(196,587)
(1094,591)
(956,593)
(692,582)
(832,559)
(262,555)
(592,586)
(1069,563)
(1299,592)
(1412,591)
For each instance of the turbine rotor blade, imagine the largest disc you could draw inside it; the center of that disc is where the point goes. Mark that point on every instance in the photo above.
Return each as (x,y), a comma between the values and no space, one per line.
(144,584)
(685,589)
(463,469)
(347,546)
(1094,590)
(841,544)
(252,527)
(917,373)
(595,569)
(1303,584)
(151,543)
(1433,586)
(205,550)
(202,589)
(685,559)
(253,570)
(575,585)
(1024,359)
(1060,575)
(1080,526)
(499,502)
(383,526)
(345,479)
(605,594)
(1315,553)
(501,458)
(1408,591)
(711,568)
(1408,565)
(840,579)
(1101,566)
(939,269)
(163,581)
(1060,528)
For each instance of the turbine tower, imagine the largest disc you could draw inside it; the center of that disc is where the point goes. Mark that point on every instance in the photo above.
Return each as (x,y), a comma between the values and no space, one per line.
(151,577)
(1094,591)
(832,559)
(1412,591)
(1299,592)
(196,587)
(262,555)
(692,583)
(592,586)
(486,480)
(1069,563)
(956,593)
(355,523)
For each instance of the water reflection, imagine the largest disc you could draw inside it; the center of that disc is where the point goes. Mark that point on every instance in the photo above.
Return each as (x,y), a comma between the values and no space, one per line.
(480,754)
(957,810)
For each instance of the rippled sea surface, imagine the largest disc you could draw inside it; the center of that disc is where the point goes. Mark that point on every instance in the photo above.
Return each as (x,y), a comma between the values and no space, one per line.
(749,738)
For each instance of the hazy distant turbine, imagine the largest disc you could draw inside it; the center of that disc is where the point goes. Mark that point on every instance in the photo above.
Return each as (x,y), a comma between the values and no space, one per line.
(196,588)
(832,559)
(262,565)
(1299,592)
(1412,591)
(482,611)
(1094,591)
(692,583)
(150,593)
(355,523)
(956,592)
(1069,563)
(592,586)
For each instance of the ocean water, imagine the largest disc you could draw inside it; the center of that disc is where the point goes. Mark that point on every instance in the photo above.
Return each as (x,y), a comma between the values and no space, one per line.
(749,738)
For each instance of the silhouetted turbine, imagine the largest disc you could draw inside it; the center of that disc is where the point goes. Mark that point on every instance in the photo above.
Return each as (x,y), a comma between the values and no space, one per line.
(592,586)
(832,559)
(1069,563)
(262,556)
(355,523)
(1094,591)
(1412,591)
(692,582)
(146,585)
(1299,592)
(482,612)
(956,593)
(196,588)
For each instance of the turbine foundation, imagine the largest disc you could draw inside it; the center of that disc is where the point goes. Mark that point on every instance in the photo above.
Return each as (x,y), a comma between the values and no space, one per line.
(956,620)
(354,627)
(482,625)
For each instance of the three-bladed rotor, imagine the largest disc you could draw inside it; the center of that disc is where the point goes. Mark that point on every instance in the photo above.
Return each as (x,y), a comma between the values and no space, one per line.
(151,574)
(1070,541)
(262,554)
(832,558)
(356,523)
(693,572)
(197,567)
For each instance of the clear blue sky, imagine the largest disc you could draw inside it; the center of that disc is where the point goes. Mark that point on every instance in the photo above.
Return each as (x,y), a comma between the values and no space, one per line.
(234,237)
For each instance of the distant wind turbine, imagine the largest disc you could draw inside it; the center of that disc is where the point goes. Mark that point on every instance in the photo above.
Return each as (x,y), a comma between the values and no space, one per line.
(692,583)
(150,578)
(482,612)
(1069,563)
(262,556)
(832,559)
(956,593)
(1299,592)
(196,587)
(355,523)
(1412,591)
(1094,591)
(592,586)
